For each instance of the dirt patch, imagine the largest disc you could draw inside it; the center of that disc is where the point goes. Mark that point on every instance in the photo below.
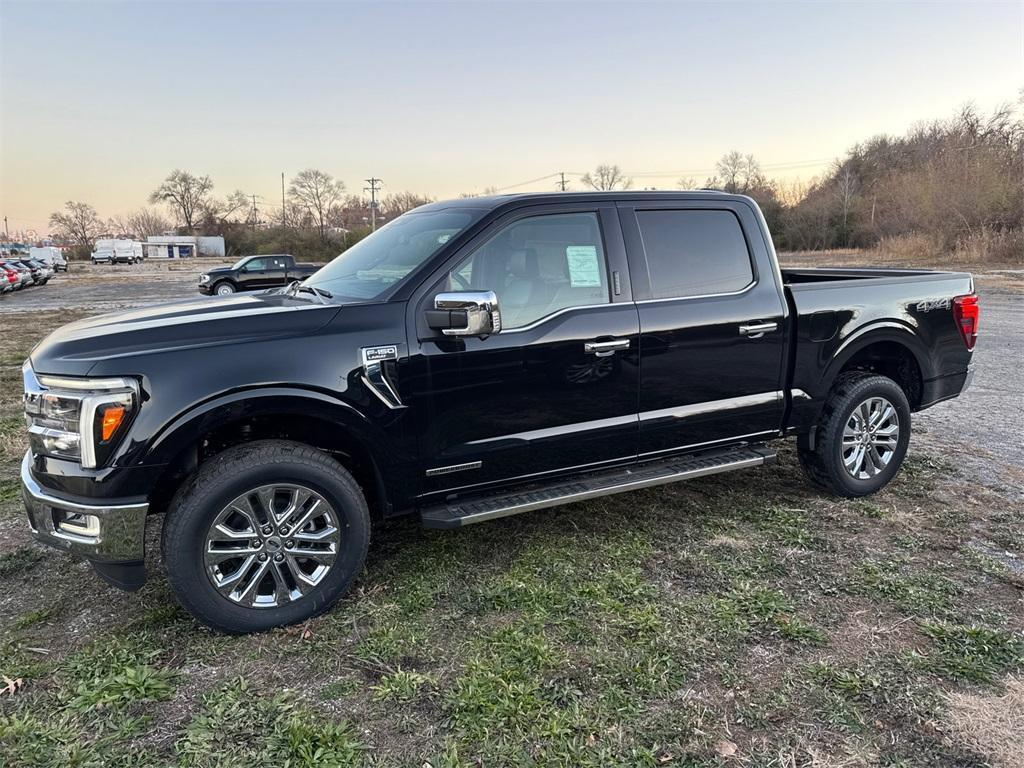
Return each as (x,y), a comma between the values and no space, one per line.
(991,725)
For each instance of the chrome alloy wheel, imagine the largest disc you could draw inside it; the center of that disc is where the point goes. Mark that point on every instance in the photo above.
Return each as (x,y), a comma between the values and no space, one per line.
(870,438)
(272,545)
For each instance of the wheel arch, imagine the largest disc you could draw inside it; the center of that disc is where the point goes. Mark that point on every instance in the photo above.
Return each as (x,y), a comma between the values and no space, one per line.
(307,417)
(889,348)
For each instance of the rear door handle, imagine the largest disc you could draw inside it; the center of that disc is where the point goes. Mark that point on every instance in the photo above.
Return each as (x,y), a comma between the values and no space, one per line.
(605,348)
(757,330)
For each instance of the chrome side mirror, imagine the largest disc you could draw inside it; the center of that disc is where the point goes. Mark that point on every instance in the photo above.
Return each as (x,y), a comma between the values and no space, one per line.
(465,313)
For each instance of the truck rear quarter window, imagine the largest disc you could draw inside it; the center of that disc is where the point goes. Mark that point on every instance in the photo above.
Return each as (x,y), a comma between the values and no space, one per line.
(694,252)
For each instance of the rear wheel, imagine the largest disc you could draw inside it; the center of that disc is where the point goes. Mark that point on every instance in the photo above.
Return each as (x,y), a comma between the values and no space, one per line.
(861,438)
(265,534)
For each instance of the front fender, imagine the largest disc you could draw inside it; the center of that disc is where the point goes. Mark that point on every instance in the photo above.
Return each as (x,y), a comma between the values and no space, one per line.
(184,429)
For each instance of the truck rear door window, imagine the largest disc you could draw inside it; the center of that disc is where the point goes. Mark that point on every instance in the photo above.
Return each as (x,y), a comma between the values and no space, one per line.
(694,253)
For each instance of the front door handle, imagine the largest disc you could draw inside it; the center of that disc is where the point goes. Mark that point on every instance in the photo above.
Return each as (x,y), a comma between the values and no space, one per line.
(605,348)
(757,330)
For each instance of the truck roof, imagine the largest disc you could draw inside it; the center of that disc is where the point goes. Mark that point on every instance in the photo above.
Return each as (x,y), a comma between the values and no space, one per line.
(489,202)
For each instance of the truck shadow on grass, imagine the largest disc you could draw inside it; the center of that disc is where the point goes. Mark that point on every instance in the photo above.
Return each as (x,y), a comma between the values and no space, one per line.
(733,617)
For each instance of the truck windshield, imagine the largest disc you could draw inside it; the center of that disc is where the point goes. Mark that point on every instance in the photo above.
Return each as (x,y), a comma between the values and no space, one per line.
(374,264)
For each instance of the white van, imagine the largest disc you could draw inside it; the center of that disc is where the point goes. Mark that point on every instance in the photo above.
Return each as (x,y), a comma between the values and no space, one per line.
(51,257)
(116,251)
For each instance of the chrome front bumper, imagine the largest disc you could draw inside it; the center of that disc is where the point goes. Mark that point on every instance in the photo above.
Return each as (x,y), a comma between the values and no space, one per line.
(101,532)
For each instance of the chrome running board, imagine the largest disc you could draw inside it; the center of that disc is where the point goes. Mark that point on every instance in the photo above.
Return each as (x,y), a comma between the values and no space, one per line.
(478,509)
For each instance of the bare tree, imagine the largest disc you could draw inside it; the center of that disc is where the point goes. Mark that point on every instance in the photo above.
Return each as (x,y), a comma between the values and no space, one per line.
(147,221)
(737,173)
(317,193)
(187,195)
(235,208)
(79,223)
(846,185)
(607,177)
(138,224)
(399,202)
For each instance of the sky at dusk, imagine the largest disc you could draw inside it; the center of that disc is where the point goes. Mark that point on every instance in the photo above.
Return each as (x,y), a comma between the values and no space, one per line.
(99,101)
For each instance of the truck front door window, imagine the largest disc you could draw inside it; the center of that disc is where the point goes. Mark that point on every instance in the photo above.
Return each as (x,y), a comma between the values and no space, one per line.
(538,266)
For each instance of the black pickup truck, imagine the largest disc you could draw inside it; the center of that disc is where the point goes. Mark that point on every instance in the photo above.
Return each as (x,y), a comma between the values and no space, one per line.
(472,359)
(252,273)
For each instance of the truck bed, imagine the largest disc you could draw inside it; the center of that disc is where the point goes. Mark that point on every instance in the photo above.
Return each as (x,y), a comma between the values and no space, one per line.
(837,274)
(907,309)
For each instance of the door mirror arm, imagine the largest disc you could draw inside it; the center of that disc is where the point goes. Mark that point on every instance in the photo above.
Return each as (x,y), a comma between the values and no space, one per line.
(465,313)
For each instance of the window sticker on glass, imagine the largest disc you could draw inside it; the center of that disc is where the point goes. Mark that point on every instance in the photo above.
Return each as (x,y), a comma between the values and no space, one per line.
(584,269)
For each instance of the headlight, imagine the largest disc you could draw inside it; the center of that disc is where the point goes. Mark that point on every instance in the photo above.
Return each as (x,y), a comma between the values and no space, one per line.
(204,278)
(78,419)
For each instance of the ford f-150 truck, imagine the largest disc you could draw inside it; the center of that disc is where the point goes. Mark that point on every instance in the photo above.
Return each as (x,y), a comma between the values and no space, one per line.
(472,359)
(254,273)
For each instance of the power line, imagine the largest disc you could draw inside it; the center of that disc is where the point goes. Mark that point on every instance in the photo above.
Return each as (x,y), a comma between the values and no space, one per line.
(524,183)
(373,189)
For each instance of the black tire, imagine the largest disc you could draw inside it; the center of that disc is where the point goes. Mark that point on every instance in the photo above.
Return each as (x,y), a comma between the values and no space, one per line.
(824,463)
(238,471)
(228,287)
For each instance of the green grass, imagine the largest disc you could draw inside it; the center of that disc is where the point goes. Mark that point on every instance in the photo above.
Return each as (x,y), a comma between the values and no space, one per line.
(969,652)
(19,561)
(401,685)
(117,674)
(918,593)
(241,725)
(31,618)
(638,630)
(9,489)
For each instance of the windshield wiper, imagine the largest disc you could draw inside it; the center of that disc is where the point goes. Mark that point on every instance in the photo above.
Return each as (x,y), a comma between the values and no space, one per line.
(320,293)
(295,287)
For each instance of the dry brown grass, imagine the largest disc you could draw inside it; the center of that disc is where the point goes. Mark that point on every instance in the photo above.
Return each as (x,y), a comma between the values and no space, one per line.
(990,725)
(979,250)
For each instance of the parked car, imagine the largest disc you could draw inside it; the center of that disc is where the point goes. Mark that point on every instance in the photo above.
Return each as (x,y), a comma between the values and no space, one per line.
(254,273)
(12,278)
(40,274)
(50,256)
(9,279)
(24,273)
(470,360)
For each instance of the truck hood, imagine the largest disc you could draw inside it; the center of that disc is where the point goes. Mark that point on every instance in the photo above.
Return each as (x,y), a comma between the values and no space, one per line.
(76,348)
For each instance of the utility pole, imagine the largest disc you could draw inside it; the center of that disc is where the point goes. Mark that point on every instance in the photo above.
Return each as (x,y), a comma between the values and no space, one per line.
(284,210)
(562,182)
(255,213)
(7,232)
(373,189)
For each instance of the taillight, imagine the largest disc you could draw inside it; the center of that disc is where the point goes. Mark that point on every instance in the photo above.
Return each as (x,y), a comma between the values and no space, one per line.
(965,312)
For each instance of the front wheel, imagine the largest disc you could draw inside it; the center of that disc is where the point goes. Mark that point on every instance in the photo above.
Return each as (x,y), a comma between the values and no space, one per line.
(265,534)
(861,438)
(224,289)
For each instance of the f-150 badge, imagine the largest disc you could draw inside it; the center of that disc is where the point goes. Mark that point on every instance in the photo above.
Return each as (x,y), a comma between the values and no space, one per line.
(376,354)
